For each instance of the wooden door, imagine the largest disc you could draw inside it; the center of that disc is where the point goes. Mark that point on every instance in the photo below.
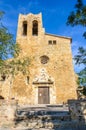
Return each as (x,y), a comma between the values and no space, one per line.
(43,95)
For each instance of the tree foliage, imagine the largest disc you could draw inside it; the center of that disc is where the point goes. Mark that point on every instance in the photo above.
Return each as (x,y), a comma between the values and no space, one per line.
(14,66)
(7,43)
(80,58)
(78,17)
(8,48)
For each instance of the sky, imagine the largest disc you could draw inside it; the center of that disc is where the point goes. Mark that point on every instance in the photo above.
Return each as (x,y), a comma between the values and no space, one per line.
(54,15)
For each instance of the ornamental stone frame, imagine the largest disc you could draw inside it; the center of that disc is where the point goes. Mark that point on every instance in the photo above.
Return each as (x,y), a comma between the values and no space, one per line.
(43,79)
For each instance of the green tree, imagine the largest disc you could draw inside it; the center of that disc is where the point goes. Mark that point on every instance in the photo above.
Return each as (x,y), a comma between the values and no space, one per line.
(78,17)
(8,48)
(12,68)
(7,43)
(80,59)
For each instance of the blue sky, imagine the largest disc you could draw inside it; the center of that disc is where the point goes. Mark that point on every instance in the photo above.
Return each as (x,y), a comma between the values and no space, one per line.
(54,13)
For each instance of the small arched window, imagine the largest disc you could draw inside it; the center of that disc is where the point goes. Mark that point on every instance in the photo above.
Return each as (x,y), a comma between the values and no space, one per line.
(25,28)
(35,28)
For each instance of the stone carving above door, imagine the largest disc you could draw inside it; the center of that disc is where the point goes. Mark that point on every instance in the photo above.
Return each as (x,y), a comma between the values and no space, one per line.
(43,78)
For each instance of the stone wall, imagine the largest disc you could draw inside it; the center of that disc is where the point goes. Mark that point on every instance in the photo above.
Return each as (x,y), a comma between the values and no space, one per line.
(77,109)
(7,113)
(59,66)
(51,117)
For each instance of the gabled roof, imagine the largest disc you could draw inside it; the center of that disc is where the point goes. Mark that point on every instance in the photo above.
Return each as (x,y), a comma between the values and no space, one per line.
(59,36)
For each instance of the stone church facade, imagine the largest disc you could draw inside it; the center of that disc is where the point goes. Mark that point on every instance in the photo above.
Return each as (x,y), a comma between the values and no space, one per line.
(51,79)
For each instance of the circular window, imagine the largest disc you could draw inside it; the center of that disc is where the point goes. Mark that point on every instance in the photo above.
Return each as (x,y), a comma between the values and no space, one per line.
(44,59)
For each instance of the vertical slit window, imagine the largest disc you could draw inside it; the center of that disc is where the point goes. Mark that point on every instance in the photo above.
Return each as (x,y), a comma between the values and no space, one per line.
(25,28)
(27,79)
(35,28)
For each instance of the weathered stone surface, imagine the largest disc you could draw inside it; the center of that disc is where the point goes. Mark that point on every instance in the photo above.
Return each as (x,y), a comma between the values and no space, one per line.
(77,109)
(57,74)
(33,118)
(50,118)
(7,113)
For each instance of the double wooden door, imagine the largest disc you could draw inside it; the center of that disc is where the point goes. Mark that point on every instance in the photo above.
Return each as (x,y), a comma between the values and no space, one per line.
(43,95)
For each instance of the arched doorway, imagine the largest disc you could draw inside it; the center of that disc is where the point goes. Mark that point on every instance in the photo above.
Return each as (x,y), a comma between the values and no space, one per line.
(43,84)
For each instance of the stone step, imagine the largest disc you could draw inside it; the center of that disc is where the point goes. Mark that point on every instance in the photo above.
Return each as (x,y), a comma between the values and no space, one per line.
(52,125)
(47,117)
(41,117)
(42,112)
(44,108)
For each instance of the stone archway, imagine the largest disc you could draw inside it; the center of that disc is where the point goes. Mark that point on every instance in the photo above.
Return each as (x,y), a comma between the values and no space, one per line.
(43,84)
